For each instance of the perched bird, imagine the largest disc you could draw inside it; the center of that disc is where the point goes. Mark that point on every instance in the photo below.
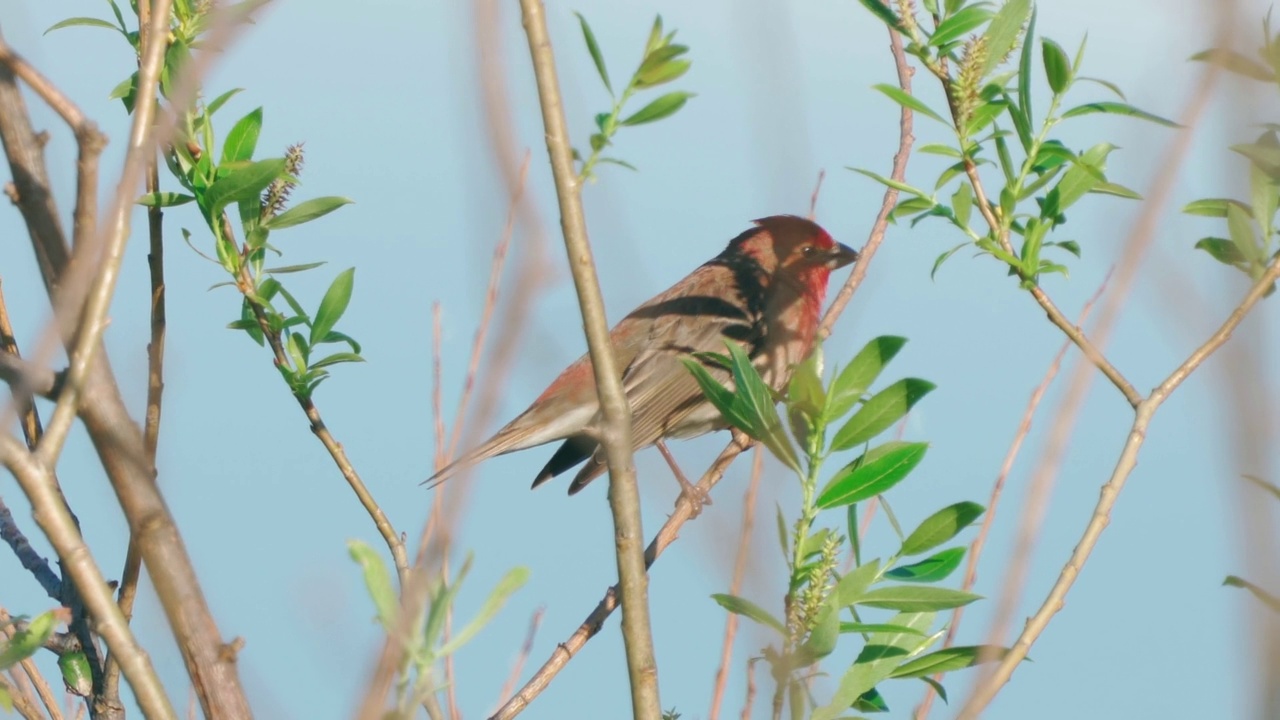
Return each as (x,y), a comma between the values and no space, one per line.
(764,291)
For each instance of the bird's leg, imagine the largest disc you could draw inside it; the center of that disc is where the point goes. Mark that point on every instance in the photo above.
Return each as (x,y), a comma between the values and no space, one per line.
(696,496)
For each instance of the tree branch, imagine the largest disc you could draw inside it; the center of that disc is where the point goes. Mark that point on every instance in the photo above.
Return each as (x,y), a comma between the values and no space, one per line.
(615,433)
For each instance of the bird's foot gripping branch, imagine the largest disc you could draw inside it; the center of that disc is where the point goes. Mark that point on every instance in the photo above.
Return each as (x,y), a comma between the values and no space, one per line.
(824,610)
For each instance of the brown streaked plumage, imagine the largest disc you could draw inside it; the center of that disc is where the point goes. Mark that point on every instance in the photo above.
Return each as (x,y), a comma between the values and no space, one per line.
(764,291)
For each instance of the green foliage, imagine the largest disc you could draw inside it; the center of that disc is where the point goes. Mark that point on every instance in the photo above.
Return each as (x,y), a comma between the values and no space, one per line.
(24,643)
(423,636)
(1037,178)
(822,609)
(661,63)
(1250,244)
(258,191)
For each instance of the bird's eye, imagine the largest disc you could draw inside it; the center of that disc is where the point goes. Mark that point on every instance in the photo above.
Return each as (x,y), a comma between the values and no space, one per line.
(808,250)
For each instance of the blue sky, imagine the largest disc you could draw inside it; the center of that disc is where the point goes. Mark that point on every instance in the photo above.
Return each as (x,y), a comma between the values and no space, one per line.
(386,95)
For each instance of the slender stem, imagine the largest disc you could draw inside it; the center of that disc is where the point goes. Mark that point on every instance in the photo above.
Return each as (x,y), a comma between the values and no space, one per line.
(615,432)
(739,572)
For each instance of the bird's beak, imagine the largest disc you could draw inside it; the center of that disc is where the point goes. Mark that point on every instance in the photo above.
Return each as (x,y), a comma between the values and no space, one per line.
(841,255)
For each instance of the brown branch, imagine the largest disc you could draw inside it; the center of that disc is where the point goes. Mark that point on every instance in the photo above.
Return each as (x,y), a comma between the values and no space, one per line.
(116,438)
(589,627)
(813,199)
(997,490)
(615,426)
(751,689)
(899,173)
(739,572)
(1139,240)
(132,570)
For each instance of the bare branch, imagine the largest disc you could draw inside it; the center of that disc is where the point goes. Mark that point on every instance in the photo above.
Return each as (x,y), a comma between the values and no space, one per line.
(740,569)
(615,430)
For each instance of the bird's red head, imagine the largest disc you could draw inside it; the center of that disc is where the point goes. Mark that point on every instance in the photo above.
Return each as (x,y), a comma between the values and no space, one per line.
(795,251)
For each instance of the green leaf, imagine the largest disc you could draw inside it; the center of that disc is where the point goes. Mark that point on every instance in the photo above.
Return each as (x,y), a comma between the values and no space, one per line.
(1242,234)
(244,182)
(28,640)
(336,358)
(663,74)
(854,584)
(783,535)
(958,25)
(165,199)
(1213,207)
(377,580)
(944,256)
(746,608)
(762,407)
(1233,61)
(916,598)
(664,106)
(962,203)
(939,149)
(882,653)
(873,473)
(1110,188)
(508,585)
(890,182)
(880,412)
(1002,34)
(857,627)
(825,633)
(306,212)
(243,138)
(863,370)
(293,268)
(1024,68)
(940,527)
(882,11)
(77,675)
(1267,598)
(909,101)
(221,100)
(1057,66)
(83,22)
(333,305)
(720,396)
(441,602)
(948,659)
(594,48)
(930,570)
(1083,175)
(1118,108)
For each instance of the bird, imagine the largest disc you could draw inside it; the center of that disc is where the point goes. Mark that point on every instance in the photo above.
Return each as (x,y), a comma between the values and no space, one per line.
(764,291)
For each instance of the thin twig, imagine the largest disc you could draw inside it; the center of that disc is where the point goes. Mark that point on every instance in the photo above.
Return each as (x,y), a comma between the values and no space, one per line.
(899,173)
(615,426)
(526,650)
(132,570)
(739,572)
(565,651)
(1140,239)
(751,689)
(813,199)
(997,489)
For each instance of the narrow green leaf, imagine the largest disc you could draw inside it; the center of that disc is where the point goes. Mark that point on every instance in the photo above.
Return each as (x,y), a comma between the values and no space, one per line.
(1057,66)
(880,412)
(940,527)
(506,587)
(932,569)
(27,641)
(958,25)
(306,212)
(1233,61)
(872,473)
(916,598)
(1118,108)
(882,653)
(242,140)
(165,199)
(377,580)
(1083,175)
(944,257)
(221,100)
(858,375)
(720,396)
(939,149)
(1236,581)
(1116,189)
(962,203)
(1241,231)
(909,101)
(857,627)
(882,11)
(854,584)
(949,659)
(83,22)
(1213,207)
(594,48)
(1002,34)
(825,633)
(1024,68)
(746,608)
(293,268)
(441,602)
(333,304)
(762,407)
(246,181)
(336,358)
(663,74)
(664,106)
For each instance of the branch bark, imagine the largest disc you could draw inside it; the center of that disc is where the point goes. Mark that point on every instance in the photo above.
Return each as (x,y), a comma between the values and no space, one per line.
(615,433)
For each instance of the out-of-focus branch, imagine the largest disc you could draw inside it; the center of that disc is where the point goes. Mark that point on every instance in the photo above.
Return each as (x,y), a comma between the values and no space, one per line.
(899,173)
(589,627)
(615,430)
(740,569)
(55,520)
(116,438)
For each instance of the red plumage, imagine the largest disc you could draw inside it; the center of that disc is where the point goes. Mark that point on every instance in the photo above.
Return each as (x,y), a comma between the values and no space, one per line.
(765,291)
